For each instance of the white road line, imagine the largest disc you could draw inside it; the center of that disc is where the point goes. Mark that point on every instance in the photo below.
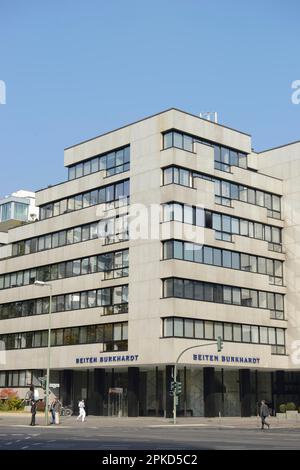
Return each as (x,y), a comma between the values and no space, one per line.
(8,443)
(25,447)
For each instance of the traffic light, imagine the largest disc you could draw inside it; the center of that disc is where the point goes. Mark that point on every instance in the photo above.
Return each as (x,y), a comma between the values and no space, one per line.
(219,343)
(178,388)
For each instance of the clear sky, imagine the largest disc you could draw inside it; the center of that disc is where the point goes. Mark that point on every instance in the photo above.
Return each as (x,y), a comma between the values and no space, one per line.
(75,69)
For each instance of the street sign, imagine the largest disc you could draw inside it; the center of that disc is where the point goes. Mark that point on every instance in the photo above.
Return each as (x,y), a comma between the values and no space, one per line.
(54,385)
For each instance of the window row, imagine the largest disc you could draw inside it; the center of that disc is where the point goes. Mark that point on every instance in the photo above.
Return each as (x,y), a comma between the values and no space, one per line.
(113,162)
(105,297)
(115,334)
(225,258)
(233,332)
(102,229)
(20,378)
(225,191)
(224,294)
(114,264)
(113,192)
(224,156)
(224,225)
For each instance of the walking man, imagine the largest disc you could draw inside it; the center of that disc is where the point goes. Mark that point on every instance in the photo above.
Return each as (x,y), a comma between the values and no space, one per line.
(33,404)
(81,406)
(33,412)
(52,411)
(264,413)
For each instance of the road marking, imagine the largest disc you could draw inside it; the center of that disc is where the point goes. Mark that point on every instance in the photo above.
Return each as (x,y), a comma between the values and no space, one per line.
(8,443)
(178,425)
(25,447)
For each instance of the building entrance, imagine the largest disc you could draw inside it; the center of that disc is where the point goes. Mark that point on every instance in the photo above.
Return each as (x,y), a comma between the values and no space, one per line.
(117,405)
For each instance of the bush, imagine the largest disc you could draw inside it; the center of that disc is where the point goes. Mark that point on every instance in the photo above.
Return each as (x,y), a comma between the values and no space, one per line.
(9,400)
(291,406)
(282,408)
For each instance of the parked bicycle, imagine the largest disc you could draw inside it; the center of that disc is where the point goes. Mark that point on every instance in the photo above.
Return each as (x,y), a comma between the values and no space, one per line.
(66,410)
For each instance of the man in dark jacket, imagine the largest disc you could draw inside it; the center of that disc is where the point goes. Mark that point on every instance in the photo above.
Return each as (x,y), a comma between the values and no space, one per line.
(33,412)
(264,413)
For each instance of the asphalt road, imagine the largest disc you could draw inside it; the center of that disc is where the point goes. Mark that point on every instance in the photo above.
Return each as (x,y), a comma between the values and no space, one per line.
(23,437)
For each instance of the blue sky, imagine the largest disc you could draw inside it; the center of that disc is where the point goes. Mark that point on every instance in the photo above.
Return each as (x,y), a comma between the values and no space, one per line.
(75,69)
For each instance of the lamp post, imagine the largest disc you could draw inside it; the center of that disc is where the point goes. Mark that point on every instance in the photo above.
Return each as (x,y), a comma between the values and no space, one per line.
(219,344)
(45,284)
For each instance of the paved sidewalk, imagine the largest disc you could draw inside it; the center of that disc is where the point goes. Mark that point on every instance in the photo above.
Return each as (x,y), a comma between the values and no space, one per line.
(23,419)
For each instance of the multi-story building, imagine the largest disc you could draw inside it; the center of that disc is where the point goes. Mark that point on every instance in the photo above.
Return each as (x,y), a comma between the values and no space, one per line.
(169,233)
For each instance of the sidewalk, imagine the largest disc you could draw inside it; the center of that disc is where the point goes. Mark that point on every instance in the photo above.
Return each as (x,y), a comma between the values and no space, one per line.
(23,419)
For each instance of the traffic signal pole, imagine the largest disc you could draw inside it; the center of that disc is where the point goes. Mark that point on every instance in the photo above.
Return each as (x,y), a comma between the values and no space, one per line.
(219,344)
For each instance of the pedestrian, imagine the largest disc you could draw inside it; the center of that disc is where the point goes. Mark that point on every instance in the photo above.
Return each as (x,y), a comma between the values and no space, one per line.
(52,411)
(82,414)
(57,408)
(33,404)
(33,412)
(264,413)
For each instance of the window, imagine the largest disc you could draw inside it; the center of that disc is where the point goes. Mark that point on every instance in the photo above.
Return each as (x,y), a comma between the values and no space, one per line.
(178,327)
(188,214)
(199,329)
(236,260)
(189,328)
(228,332)
(178,288)
(208,255)
(217,253)
(168,176)
(209,330)
(178,250)
(237,333)
(177,209)
(168,327)
(177,140)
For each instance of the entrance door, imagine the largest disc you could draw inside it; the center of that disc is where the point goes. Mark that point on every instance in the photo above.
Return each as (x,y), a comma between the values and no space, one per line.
(116,406)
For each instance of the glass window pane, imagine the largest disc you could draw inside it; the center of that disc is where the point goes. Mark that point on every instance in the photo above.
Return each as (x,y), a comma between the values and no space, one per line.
(199,330)
(237,333)
(188,251)
(207,255)
(168,327)
(217,254)
(168,175)
(178,249)
(208,329)
(188,143)
(254,334)
(228,332)
(263,335)
(188,328)
(226,258)
(177,140)
(168,141)
(178,327)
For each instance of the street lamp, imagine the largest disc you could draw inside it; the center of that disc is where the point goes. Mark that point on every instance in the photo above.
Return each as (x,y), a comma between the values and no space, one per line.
(219,344)
(45,284)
